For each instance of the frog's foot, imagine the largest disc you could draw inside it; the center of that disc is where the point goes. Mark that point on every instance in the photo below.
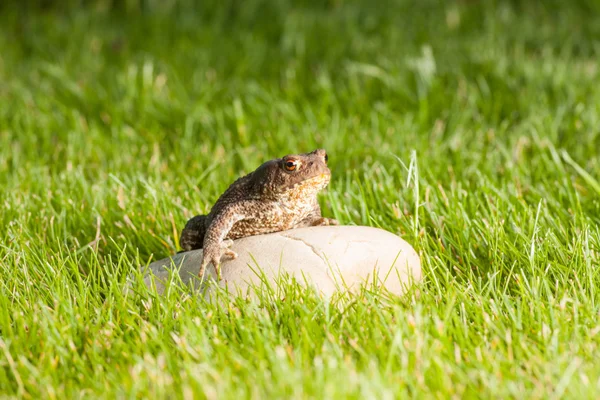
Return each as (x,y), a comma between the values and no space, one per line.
(210,255)
(321,221)
(226,251)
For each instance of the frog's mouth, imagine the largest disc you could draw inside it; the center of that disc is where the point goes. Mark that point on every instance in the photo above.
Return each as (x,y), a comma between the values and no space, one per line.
(316,183)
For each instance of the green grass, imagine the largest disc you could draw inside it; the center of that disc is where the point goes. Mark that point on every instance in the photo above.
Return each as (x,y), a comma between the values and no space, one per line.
(470,128)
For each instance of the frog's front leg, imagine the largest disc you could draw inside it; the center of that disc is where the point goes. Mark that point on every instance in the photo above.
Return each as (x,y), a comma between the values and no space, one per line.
(315,219)
(322,221)
(215,244)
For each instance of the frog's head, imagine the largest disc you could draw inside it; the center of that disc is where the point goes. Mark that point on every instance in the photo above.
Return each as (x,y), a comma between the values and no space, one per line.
(304,174)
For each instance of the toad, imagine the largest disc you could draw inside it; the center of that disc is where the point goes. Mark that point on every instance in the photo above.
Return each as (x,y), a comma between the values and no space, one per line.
(279,195)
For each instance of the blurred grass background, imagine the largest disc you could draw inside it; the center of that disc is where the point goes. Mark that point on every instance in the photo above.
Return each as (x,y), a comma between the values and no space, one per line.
(471,128)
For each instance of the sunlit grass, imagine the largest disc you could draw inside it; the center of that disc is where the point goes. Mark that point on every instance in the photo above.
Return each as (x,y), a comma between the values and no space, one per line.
(471,129)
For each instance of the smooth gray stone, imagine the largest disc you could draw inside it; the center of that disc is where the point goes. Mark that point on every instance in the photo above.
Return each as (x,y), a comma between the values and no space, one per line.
(329,258)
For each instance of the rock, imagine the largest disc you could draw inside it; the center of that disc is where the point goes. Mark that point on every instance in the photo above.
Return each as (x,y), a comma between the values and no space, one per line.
(329,257)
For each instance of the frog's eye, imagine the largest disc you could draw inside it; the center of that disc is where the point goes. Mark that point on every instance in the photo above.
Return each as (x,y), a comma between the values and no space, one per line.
(290,165)
(326,157)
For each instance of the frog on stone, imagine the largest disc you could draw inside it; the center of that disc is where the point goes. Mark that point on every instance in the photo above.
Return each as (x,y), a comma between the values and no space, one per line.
(279,195)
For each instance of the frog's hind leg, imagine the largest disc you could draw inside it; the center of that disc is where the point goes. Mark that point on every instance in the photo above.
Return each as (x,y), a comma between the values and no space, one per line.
(192,236)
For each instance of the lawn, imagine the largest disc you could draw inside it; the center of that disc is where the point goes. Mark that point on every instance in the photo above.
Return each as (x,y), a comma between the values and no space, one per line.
(470,128)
